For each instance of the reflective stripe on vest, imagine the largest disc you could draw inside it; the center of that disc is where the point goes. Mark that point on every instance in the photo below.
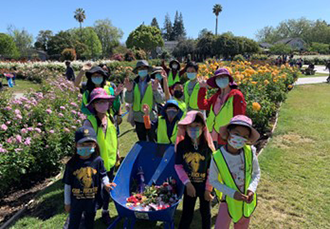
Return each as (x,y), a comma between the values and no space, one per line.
(237,209)
(172,81)
(107,143)
(162,137)
(191,101)
(222,118)
(147,98)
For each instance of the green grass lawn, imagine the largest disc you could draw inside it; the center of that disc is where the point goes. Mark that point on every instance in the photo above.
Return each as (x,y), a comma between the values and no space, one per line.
(23,86)
(293,192)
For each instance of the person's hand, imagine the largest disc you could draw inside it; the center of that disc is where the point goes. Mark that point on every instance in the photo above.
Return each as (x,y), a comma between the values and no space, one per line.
(164,74)
(155,84)
(203,84)
(67,208)
(250,196)
(208,196)
(110,187)
(86,67)
(128,84)
(146,109)
(191,191)
(239,196)
(119,89)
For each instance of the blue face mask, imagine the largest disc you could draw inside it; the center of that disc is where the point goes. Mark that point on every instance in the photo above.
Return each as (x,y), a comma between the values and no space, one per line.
(191,75)
(97,80)
(159,76)
(194,132)
(85,151)
(143,73)
(222,82)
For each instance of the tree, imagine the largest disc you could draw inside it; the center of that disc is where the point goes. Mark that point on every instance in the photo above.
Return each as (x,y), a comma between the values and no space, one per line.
(184,48)
(146,38)
(87,44)
(167,30)
(80,16)
(280,49)
(178,31)
(217,9)
(204,44)
(320,48)
(22,38)
(154,23)
(109,36)
(203,33)
(8,47)
(59,42)
(43,39)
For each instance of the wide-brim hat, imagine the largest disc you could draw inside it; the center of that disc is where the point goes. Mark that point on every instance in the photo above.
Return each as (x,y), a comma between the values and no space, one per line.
(175,61)
(96,69)
(220,72)
(241,120)
(142,63)
(190,118)
(99,93)
(157,70)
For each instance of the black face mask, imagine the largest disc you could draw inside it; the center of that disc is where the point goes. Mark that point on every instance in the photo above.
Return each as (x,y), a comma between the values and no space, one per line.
(178,94)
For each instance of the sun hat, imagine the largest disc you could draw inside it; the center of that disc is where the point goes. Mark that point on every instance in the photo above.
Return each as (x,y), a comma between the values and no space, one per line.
(85,134)
(174,61)
(241,120)
(190,118)
(220,72)
(98,93)
(142,63)
(96,69)
(157,70)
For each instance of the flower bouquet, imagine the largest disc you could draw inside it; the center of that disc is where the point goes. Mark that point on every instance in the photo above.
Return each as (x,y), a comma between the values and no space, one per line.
(155,197)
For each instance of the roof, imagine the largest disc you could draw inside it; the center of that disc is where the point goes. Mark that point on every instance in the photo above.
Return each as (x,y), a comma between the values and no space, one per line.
(289,41)
(265,45)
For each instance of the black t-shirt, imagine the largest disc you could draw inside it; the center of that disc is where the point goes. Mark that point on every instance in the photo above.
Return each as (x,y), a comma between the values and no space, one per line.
(85,178)
(195,162)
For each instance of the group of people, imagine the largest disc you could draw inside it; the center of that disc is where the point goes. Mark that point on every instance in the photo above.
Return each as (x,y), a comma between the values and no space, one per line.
(212,136)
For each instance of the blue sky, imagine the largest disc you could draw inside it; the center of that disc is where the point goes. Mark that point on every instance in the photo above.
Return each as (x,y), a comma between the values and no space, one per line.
(242,17)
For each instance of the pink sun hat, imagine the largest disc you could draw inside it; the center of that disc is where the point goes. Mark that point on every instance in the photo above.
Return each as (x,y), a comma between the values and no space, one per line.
(190,118)
(241,120)
(99,93)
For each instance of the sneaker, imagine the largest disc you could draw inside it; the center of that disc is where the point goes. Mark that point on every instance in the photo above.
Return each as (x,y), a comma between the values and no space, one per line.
(106,218)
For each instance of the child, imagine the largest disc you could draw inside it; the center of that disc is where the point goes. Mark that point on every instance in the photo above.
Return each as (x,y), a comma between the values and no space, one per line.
(226,103)
(194,149)
(177,92)
(235,173)
(174,73)
(103,124)
(166,124)
(84,174)
(191,87)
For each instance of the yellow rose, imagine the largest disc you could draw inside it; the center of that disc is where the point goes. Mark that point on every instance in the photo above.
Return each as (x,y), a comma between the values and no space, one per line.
(256,106)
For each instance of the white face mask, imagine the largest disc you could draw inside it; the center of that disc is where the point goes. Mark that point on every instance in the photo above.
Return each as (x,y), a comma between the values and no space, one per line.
(222,82)
(175,66)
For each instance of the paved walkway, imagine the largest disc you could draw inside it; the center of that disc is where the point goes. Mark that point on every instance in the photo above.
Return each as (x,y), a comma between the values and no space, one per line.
(319,68)
(314,80)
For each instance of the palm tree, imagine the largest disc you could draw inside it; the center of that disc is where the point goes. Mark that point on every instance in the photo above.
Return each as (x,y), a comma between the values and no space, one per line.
(217,9)
(79,15)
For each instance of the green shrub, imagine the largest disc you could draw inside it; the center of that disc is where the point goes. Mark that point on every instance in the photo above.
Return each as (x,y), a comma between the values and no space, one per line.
(68,54)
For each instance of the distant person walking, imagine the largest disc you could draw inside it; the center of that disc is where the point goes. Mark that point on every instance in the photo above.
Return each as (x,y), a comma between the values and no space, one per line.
(327,66)
(69,71)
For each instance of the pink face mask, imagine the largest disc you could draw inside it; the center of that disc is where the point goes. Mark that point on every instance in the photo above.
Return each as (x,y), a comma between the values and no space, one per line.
(102,107)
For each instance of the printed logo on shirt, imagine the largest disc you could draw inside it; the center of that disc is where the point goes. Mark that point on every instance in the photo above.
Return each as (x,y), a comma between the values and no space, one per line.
(193,160)
(85,177)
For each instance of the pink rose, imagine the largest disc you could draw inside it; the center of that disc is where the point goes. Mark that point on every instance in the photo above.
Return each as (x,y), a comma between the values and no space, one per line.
(38,130)
(18,116)
(27,141)
(24,131)
(51,131)
(19,138)
(17,112)
(62,107)
(30,128)
(49,111)
(66,130)
(4,127)
(60,115)
(74,112)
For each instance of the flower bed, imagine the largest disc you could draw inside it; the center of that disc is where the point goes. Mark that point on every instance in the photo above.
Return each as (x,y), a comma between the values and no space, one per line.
(36,131)
(264,86)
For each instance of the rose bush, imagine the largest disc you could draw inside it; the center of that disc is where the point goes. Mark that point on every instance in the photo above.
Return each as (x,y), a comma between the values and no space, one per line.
(36,131)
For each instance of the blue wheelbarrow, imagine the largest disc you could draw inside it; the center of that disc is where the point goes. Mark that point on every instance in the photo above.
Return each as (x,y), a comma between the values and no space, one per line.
(157,162)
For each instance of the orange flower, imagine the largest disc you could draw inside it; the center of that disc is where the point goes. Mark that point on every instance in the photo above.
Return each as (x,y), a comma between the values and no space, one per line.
(256,106)
(266,82)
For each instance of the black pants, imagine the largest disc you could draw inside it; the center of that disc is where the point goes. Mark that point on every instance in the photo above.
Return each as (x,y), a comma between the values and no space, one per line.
(144,134)
(106,195)
(189,207)
(75,218)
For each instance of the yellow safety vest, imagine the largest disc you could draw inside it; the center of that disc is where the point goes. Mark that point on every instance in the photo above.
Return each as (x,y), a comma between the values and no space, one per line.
(191,101)
(107,143)
(162,137)
(172,81)
(222,118)
(182,106)
(237,209)
(147,98)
